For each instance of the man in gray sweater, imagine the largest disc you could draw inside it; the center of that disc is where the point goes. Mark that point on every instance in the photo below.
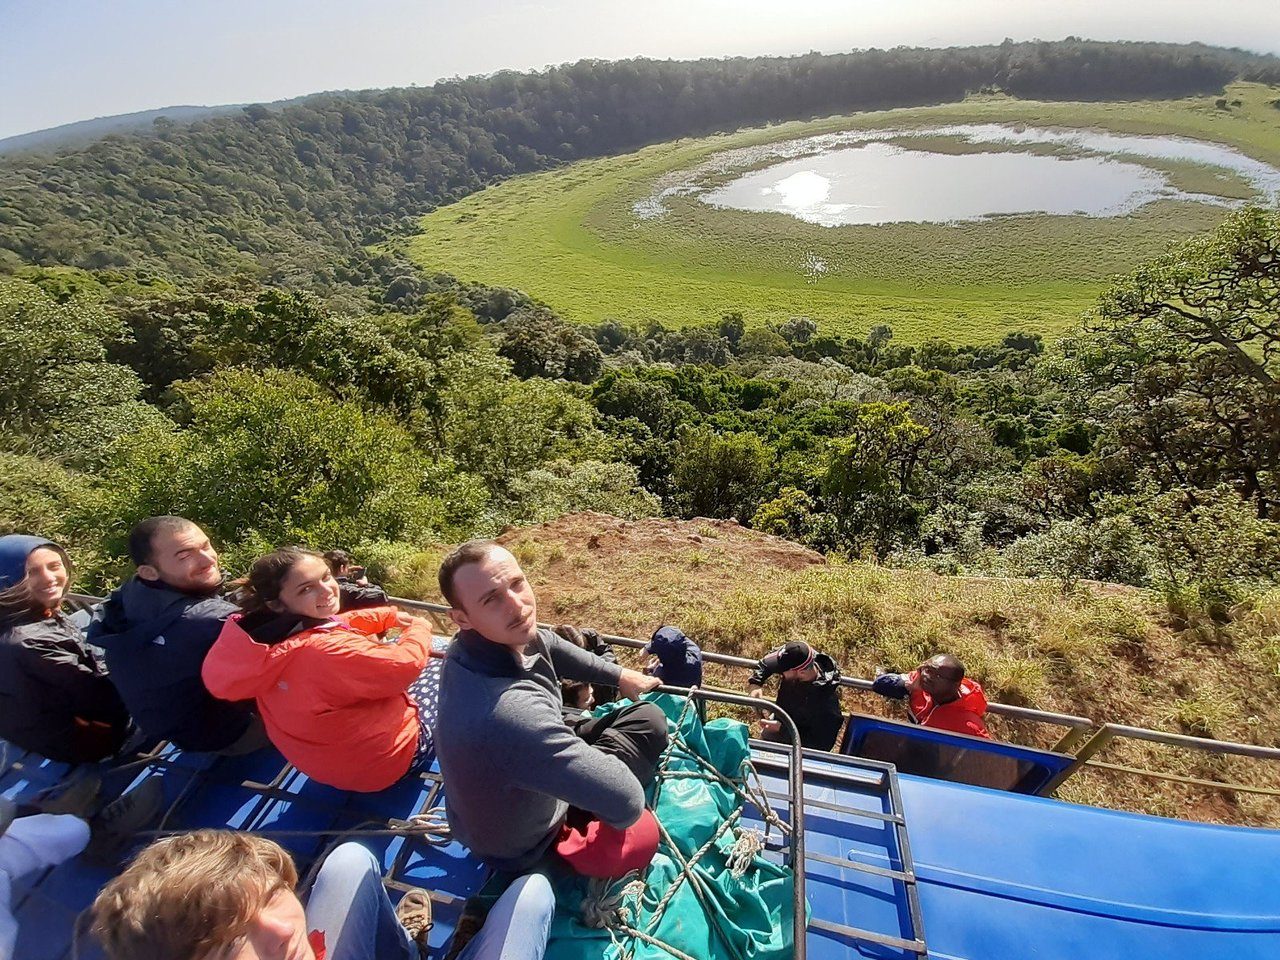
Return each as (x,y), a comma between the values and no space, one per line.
(514,765)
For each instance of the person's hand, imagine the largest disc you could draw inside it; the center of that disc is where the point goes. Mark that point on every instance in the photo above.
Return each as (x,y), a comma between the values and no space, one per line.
(651,667)
(770,726)
(404,620)
(632,685)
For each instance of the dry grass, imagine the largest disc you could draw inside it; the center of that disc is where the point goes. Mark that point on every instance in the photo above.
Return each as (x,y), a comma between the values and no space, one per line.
(1098,650)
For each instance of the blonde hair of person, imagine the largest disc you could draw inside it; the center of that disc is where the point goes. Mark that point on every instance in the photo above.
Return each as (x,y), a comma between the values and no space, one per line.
(189,897)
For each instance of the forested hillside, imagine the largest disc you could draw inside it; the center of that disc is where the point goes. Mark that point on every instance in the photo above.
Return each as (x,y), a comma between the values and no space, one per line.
(1143,449)
(292,195)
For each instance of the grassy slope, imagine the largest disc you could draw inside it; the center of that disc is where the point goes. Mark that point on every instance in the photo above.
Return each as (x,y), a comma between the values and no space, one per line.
(568,236)
(1104,652)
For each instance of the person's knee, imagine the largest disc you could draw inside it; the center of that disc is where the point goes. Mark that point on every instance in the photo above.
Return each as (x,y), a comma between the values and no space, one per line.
(536,887)
(650,724)
(535,899)
(351,861)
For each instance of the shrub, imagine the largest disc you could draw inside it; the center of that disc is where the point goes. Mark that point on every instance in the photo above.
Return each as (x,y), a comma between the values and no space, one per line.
(557,488)
(1211,549)
(266,458)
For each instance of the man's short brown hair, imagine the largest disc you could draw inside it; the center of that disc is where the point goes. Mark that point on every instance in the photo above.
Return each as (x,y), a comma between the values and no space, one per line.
(473,551)
(190,896)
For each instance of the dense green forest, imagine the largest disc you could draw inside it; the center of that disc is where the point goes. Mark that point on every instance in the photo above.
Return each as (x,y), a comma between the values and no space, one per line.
(190,323)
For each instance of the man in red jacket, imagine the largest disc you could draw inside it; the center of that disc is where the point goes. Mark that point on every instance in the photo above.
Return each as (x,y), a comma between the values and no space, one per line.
(939,695)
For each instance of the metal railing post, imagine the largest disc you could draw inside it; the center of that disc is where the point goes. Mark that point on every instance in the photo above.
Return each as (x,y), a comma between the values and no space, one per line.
(1070,739)
(1095,743)
(795,787)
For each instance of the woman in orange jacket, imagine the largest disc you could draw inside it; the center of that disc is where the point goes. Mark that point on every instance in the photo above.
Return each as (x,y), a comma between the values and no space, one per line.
(345,705)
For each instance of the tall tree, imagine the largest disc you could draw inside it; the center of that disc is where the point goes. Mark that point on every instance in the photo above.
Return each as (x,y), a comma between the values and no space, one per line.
(1181,362)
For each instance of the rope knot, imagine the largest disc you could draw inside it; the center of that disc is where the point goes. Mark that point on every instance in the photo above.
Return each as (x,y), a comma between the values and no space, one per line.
(743,853)
(606,909)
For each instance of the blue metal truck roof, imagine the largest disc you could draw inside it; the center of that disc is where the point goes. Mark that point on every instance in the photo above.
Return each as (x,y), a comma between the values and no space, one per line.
(1000,876)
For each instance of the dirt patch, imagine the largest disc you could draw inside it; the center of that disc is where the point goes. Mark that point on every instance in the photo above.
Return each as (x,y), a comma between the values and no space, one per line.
(629,576)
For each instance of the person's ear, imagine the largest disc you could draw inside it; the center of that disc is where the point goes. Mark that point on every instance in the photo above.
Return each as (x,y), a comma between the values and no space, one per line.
(275,606)
(147,572)
(459,616)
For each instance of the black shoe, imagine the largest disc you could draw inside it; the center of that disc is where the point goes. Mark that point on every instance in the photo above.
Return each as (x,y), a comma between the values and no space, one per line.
(77,797)
(114,830)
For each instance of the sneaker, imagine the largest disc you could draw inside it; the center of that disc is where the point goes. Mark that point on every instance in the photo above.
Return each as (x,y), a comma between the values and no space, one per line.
(114,830)
(414,913)
(76,797)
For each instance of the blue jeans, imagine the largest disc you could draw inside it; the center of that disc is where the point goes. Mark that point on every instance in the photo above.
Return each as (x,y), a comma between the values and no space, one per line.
(350,904)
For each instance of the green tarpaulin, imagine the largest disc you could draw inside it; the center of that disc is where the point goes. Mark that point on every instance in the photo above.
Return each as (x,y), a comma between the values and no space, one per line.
(715,915)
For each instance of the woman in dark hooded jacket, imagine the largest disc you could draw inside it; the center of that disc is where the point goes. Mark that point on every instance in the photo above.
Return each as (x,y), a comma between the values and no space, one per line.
(55,698)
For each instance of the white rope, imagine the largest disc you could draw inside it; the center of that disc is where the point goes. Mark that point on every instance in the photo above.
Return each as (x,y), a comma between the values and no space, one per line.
(431,825)
(749,844)
(654,941)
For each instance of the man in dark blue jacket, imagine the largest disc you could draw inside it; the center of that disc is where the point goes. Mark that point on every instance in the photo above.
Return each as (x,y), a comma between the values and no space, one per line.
(156,630)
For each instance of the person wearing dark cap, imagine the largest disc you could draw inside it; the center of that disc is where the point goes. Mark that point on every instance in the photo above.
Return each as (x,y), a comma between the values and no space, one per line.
(677,660)
(55,697)
(809,692)
(938,695)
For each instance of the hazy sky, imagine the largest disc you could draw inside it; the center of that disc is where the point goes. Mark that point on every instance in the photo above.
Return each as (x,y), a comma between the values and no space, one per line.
(64,60)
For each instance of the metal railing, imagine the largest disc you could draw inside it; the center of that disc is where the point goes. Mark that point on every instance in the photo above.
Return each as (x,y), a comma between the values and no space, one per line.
(795,800)
(1083,737)
(1109,732)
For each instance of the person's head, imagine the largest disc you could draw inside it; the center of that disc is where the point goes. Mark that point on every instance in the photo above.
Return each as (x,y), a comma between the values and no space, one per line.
(175,552)
(577,694)
(797,661)
(35,574)
(290,580)
(669,645)
(940,676)
(339,562)
(209,894)
(579,638)
(488,592)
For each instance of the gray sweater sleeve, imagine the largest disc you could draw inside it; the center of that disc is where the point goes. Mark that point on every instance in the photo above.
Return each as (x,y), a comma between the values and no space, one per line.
(574,663)
(540,752)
